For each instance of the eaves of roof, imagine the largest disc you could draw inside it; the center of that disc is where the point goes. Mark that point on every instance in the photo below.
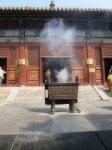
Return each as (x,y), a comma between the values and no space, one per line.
(54,9)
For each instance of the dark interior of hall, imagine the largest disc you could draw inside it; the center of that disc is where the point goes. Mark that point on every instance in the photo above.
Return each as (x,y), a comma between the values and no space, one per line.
(3,64)
(108,64)
(56,65)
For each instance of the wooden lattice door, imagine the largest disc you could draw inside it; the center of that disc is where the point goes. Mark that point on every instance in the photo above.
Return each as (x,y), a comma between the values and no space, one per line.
(8,55)
(33,69)
(11,64)
(97,64)
(78,57)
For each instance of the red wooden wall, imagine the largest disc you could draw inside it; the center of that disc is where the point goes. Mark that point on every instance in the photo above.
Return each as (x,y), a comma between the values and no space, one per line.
(33,53)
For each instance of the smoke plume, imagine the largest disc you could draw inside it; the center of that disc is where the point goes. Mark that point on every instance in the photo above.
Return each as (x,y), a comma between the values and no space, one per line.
(59,39)
(56,33)
(62,75)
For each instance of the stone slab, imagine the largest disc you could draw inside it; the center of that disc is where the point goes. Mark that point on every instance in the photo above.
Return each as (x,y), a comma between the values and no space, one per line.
(7,141)
(100,90)
(61,141)
(106,138)
(12,95)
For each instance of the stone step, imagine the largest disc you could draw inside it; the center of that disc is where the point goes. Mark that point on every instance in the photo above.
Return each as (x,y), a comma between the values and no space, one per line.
(88,96)
(34,93)
(88,93)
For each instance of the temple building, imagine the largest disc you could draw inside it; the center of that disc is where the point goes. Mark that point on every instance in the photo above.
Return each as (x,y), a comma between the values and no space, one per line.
(73,40)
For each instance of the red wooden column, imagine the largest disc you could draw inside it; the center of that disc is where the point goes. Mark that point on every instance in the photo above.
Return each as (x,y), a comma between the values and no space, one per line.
(21,64)
(41,68)
(90,55)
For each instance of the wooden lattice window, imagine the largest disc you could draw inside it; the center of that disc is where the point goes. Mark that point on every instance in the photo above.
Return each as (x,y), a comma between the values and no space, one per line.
(97,56)
(3,50)
(77,56)
(12,55)
(56,51)
(33,56)
(107,51)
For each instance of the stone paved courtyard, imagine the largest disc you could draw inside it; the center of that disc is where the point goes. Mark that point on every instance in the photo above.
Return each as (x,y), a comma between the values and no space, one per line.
(28,113)
(27,123)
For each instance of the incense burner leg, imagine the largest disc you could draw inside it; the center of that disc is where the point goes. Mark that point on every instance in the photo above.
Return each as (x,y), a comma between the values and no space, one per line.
(72,106)
(69,108)
(53,107)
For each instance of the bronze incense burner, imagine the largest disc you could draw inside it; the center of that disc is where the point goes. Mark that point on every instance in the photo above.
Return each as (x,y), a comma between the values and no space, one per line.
(61,93)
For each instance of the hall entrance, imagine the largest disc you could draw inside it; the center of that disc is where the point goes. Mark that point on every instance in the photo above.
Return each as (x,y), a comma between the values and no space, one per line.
(60,69)
(3,64)
(107,65)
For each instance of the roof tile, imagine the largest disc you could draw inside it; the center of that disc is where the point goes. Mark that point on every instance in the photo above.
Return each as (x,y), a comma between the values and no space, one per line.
(27,8)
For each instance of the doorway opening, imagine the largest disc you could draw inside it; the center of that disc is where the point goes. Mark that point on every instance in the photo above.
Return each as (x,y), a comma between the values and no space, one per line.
(56,66)
(3,64)
(107,65)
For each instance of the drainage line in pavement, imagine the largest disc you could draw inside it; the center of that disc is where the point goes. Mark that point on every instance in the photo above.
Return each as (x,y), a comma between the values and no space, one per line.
(14,142)
(101,140)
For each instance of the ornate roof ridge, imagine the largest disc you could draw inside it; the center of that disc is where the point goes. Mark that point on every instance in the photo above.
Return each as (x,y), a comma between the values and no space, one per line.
(28,8)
